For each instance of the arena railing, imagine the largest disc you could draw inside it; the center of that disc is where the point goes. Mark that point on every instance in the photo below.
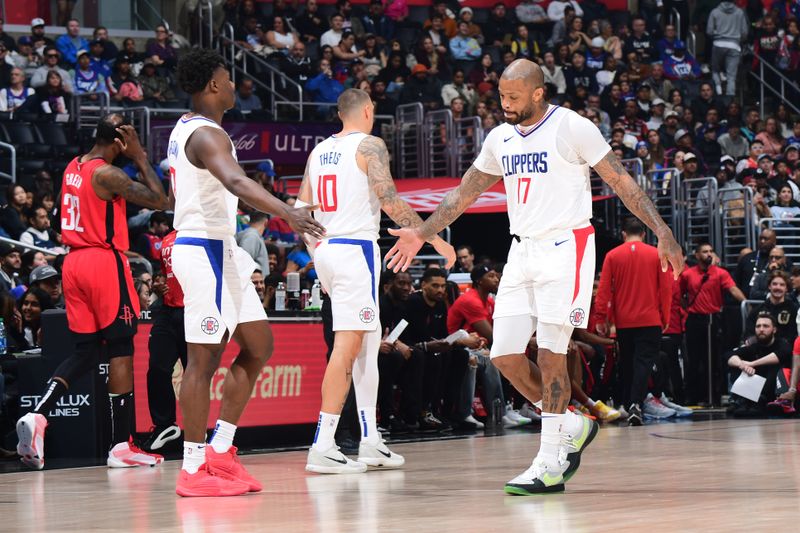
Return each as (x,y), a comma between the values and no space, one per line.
(23,247)
(438,132)
(737,222)
(242,60)
(699,219)
(12,162)
(86,110)
(469,137)
(410,141)
(788,234)
(766,74)
(205,24)
(139,19)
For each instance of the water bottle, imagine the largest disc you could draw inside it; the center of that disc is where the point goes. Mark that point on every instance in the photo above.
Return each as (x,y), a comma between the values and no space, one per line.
(2,337)
(280,297)
(293,281)
(316,296)
(305,297)
(494,422)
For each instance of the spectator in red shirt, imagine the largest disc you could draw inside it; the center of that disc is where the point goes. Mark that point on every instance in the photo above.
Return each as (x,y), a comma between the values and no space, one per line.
(637,293)
(703,286)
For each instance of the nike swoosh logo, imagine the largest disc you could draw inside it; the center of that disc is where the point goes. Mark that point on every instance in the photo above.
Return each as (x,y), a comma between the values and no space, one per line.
(506,140)
(550,480)
(561,242)
(387,455)
(340,461)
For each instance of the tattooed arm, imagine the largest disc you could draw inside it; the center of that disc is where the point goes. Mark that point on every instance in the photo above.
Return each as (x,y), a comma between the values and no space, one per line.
(636,200)
(453,204)
(373,159)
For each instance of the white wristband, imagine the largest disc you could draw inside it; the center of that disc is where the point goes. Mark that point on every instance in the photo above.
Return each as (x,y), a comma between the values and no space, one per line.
(298,203)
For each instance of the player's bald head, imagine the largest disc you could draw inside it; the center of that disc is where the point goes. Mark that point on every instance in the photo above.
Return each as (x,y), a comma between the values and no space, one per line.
(352,101)
(524,70)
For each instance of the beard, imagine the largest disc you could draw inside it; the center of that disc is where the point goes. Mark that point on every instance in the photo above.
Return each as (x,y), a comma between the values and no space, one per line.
(522,116)
(764,338)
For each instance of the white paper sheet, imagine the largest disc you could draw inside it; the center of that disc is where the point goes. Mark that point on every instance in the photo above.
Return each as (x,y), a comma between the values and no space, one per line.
(749,387)
(397,331)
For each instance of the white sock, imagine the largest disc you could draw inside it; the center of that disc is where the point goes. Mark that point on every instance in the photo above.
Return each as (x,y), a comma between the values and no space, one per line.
(222,438)
(326,428)
(369,427)
(551,437)
(571,423)
(590,403)
(538,404)
(194,455)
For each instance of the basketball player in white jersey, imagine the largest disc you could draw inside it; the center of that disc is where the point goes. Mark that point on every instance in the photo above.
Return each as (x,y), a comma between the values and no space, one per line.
(543,154)
(348,177)
(220,300)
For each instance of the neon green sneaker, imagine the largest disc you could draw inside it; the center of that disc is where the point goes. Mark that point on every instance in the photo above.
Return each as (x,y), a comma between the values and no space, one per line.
(573,445)
(540,478)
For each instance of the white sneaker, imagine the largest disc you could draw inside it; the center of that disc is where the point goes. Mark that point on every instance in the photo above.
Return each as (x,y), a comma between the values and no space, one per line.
(513,417)
(537,479)
(529,411)
(471,419)
(679,409)
(127,455)
(379,455)
(652,408)
(332,461)
(623,413)
(30,431)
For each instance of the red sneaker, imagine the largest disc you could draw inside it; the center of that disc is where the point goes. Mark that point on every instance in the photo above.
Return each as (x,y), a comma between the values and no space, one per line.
(206,483)
(228,463)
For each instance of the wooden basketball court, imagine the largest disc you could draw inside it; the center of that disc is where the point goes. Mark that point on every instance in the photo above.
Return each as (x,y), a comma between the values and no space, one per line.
(711,476)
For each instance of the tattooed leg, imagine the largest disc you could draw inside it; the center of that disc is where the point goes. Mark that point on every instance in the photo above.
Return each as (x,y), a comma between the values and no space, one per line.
(555,381)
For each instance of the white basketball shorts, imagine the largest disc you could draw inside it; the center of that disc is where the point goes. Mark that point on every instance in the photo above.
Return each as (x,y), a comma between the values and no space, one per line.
(348,270)
(218,293)
(549,279)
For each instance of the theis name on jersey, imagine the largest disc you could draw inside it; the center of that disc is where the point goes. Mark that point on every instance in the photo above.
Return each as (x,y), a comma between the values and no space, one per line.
(533,162)
(329,158)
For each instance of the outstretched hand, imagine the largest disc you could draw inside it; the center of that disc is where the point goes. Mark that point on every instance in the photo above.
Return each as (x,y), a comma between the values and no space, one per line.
(301,221)
(408,244)
(670,253)
(446,250)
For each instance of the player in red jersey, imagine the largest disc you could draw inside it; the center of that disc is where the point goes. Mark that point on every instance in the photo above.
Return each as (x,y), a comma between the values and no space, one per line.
(167,344)
(102,305)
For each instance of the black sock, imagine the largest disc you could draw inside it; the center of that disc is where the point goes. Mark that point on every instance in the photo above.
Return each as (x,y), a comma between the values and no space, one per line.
(121,409)
(55,390)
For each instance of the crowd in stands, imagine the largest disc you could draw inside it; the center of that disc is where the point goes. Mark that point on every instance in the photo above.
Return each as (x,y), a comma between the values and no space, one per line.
(651,98)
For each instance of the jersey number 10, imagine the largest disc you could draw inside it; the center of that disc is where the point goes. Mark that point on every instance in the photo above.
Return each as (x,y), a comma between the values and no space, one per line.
(71,215)
(326,193)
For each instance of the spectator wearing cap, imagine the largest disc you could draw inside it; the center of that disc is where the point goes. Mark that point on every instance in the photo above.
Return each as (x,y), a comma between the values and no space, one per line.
(71,42)
(123,85)
(421,88)
(690,167)
(791,153)
(51,59)
(668,130)
(729,191)
(110,50)
(771,137)
(708,147)
(376,23)
(37,33)
(24,56)
(98,60)
(657,111)
(644,99)
(466,14)
(459,89)
(464,48)
(767,164)
(10,265)
(728,26)
(47,278)
(15,95)
(85,79)
(732,142)
(660,86)
(497,30)
(246,99)
(596,57)
(682,69)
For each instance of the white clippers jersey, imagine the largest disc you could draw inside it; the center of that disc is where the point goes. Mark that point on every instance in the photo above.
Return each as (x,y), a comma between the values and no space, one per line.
(348,207)
(202,203)
(545,171)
